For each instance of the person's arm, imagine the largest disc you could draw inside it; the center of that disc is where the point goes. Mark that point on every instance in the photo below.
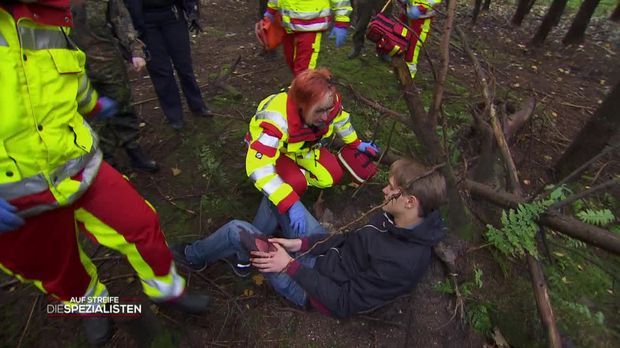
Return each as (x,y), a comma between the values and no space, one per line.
(87,96)
(344,129)
(342,12)
(124,29)
(260,162)
(367,290)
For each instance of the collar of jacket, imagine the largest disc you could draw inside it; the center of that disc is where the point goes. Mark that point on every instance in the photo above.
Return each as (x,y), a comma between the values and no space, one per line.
(298,131)
(49,12)
(428,232)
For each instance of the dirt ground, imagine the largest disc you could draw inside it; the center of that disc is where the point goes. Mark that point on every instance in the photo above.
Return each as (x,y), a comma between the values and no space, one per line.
(568,83)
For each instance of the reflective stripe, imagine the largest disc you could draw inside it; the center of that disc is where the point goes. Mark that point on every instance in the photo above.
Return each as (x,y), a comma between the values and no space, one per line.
(24,187)
(306,15)
(83,85)
(268,140)
(275,117)
(86,100)
(342,123)
(39,39)
(346,132)
(342,12)
(341,4)
(3,41)
(308,27)
(262,172)
(163,289)
(270,187)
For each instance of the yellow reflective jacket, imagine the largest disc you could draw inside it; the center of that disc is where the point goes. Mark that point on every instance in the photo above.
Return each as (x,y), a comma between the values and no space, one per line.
(311,15)
(48,154)
(278,129)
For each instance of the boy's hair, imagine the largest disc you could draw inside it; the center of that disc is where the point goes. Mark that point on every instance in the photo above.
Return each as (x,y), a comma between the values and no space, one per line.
(310,86)
(413,178)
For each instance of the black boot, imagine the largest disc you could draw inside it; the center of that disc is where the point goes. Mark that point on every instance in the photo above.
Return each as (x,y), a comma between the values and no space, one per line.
(203,112)
(98,330)
(188,303)
(355,52)
(140,160)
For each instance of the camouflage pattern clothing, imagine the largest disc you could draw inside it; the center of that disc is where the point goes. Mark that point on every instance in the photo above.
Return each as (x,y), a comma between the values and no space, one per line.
(103,29)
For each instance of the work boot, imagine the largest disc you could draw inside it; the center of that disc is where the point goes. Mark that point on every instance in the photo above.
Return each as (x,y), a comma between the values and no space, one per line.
(140,160)
(355,52)
(188,303)
(177,125)
(98,330)
(203,112)
(178,254)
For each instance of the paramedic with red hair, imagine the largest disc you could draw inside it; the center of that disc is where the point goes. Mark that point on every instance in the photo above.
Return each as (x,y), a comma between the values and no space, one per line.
(286,133)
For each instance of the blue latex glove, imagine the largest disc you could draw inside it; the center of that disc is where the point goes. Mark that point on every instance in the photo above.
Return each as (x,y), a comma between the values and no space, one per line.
(269,16)
(413,12)
(340,34)
(9,221)
(297,215)
(109,108)
(369,148)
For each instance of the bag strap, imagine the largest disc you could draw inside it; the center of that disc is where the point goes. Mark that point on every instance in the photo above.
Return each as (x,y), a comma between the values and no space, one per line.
(385,6)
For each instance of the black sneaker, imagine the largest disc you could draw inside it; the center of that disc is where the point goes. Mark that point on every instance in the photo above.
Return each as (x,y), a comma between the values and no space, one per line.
(98,330)
(178,254)
(140,160)
(177,125)
(240,268)
(203,112)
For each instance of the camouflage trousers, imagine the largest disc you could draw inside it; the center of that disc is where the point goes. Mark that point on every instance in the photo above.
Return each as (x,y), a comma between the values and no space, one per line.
(109,77)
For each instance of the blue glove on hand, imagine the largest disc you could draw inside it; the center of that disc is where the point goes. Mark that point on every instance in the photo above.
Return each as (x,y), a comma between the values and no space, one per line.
(107,108)
(297,215)
(413,12)
(340,34)
(269,16)
(9,221)
(369,148)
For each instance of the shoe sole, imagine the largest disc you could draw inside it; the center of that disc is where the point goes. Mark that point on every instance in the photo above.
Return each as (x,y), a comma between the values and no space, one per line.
(236,270)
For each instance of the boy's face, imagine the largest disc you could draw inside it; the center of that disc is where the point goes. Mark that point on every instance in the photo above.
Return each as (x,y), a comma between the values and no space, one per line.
(399,204)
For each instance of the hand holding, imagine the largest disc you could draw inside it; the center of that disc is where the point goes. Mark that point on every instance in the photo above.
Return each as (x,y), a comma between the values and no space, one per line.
(105,108)
(290,245)
(369,148)
(9,221)
(271,262)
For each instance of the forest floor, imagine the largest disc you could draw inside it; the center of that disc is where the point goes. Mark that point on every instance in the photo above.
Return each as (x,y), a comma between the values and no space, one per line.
(203,184)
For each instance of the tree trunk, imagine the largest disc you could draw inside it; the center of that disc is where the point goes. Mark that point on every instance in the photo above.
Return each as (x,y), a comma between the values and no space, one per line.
(577,32)
(552,17)
(487,5)
(615,16)
(523,8)
(476,11)
(594,136)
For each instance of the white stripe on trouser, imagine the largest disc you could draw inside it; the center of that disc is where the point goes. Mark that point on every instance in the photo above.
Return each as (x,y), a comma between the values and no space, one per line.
(168,290)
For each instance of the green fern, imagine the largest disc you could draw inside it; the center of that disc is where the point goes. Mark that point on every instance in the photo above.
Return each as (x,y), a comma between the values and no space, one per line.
(600,217)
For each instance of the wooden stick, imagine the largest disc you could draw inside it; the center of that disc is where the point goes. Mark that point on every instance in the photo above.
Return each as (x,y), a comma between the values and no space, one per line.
(21,338)
(585,193)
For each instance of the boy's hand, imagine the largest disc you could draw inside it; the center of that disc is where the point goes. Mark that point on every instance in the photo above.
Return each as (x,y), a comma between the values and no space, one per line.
(271,262)
(290,245)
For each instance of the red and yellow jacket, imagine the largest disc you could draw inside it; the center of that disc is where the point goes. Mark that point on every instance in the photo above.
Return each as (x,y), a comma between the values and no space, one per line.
(48,153)
(311,15)
(276,129)
(425,6)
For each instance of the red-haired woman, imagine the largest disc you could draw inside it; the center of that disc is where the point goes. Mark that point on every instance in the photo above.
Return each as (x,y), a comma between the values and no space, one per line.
(285,153)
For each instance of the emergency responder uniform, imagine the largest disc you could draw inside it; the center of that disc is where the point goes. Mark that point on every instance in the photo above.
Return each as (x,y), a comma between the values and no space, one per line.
(99,27)
(51,170)
(285,155)
(363,10)
(304,22)
(163,27)
(418,14)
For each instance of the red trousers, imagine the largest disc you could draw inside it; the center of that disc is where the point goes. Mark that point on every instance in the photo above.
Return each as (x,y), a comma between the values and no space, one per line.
(45,250)
(301,50)
(322,172)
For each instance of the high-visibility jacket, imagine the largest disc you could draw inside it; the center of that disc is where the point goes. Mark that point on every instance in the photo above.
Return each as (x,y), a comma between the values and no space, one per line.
(425,6)
(48,153)
(311,15)
(276,129)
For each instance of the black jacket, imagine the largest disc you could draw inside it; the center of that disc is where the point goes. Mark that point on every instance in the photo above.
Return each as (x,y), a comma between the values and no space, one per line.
(361,270)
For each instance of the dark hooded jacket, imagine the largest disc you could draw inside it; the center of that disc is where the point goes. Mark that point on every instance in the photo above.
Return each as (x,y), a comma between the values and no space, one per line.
(368,267)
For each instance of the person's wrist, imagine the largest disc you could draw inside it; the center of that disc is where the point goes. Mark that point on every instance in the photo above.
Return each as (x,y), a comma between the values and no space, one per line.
(297,245)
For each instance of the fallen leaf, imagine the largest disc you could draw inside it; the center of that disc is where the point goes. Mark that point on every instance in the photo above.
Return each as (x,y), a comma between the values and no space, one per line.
(175,171)
(142,125)
(258,279)
(248,292)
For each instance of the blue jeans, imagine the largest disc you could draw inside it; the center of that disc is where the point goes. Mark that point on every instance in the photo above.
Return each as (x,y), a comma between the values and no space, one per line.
(226,242)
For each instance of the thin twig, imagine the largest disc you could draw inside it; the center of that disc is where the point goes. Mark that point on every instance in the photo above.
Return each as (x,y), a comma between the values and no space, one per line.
(21,338)
(584,166)
(169,200)
(577,196)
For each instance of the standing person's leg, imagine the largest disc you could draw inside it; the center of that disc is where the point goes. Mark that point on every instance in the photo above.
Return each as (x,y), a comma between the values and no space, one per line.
(160,68)
(110,78)
(420,28)
(307,48)
(288,47)
(176,41)
(119,218)
(364,11)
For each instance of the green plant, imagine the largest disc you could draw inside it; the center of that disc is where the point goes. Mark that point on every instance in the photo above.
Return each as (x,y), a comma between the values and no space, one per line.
(444,287)
(210,166)
(479,318)
(478,277)
(600,217)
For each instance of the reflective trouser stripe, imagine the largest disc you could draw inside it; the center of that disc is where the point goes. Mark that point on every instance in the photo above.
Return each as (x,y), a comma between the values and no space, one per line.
(301,50)
(95,288)
(22,279)
(159,287)
(420,30)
